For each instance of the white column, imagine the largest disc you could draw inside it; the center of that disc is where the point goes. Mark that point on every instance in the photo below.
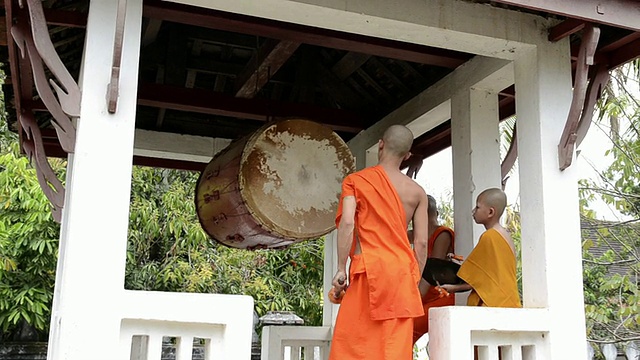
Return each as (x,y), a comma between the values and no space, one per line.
(551,248)
(329,310)
(90,278)
(475,141)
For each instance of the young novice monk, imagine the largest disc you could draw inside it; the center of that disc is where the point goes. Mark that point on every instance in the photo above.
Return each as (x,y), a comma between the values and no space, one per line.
(490,270)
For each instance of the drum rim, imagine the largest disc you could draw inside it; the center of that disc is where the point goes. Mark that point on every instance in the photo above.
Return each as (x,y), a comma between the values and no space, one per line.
(258,217)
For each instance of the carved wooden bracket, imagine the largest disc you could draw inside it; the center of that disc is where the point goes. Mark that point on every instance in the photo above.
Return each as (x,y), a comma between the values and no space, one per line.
(114,85)
(64,127)
(69,97)
(37,50)
(510,158)
(569,137)
(596,86)
(415,164)
(34,149)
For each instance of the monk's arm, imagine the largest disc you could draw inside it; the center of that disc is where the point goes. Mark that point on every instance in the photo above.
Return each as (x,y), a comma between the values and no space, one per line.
(456,288)
(345,231)
(440,250)
(441,246)
(420,231)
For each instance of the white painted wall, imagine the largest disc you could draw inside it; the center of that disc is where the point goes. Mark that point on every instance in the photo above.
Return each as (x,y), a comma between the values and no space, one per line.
(447,24)
(475,143)
(162,145)
(93,237)
(551,245)
(91,310)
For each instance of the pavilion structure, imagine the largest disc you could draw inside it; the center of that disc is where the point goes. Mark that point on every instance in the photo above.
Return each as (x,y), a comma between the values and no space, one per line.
(108,83)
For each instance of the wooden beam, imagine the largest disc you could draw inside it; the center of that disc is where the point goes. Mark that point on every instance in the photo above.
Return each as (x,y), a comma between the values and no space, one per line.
(244,24)
(204,65)
(340,92)
(614,54)
(4,40)
(405,91)
(618,13)
(615,45)
(151,31)
(66,18)
(263,65)
(208,102)
(53,150)
(565,28)
(348,64)
(624,54)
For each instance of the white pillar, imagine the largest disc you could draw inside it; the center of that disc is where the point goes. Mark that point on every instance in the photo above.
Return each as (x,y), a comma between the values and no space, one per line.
(93,239)
(329,310)
(551,247)
(475,141)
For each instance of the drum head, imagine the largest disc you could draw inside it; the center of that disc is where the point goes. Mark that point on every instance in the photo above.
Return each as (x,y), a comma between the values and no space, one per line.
(290,177)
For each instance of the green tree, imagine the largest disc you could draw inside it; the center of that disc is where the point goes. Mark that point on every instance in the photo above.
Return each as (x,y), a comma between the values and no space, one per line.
(611,299)
(28,242)
(169,251)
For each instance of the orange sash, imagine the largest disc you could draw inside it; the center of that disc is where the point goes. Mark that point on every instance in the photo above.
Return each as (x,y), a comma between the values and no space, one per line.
(390,265)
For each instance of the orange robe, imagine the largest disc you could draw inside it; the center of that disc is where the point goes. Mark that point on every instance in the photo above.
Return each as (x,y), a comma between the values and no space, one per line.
(490,269)
(432,297)
(375,320)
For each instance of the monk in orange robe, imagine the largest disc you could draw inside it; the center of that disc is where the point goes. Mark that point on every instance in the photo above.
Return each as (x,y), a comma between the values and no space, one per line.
(440,243)
(490,270)
(375,320)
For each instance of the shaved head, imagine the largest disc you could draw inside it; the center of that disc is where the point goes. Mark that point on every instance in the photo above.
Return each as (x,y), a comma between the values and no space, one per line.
(432,208)
(398,140)
(495,198)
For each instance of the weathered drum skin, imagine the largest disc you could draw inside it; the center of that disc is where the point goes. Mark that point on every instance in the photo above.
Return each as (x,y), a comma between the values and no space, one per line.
(275,187)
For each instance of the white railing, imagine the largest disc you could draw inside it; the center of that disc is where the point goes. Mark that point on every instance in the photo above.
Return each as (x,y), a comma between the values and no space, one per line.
(516,334)
(295,342)
(224,323)
(631,351)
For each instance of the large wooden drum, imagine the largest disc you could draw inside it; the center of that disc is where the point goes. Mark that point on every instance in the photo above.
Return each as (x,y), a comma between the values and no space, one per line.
(275,187)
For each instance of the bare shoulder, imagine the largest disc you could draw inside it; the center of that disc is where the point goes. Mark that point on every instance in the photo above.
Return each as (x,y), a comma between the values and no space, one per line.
(415,187)
(507,237)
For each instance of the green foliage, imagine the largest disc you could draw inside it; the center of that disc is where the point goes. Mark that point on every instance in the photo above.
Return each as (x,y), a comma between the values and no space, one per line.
(168,251)
(611,282)
(619,114)
(28,242)
(612,297)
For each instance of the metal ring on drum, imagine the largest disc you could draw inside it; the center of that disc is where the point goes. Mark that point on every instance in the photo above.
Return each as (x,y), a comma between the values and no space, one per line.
(277,186)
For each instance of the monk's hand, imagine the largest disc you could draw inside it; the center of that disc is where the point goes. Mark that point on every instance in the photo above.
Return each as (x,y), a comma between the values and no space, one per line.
(339,286)
(447,289)
(339,281)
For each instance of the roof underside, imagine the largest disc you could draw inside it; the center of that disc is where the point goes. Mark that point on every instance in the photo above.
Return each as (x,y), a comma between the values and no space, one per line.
(215,74)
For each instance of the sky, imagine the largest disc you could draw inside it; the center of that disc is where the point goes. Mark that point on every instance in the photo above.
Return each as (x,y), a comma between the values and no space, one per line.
(591,159)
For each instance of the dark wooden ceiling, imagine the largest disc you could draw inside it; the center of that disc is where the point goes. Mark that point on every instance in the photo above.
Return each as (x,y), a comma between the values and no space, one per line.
(214,74)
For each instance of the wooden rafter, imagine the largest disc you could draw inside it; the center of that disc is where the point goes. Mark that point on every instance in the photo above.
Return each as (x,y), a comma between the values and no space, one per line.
(213,19)
(348,64)
(209,102)
(263,65)
(151,31)
(565,28)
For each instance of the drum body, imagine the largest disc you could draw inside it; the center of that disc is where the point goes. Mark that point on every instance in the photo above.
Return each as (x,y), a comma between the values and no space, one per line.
(277,186)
